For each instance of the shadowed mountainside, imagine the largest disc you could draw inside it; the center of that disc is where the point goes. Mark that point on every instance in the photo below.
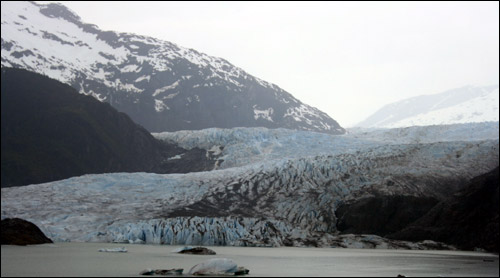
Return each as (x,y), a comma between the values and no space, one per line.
(468,219)
(50,132)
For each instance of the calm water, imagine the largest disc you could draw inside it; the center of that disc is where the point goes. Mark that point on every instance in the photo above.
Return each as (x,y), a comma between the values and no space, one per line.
(83,259)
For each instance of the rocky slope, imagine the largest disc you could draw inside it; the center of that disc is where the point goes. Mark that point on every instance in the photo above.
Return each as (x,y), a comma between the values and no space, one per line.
(462,105)
(160,85)
(50,132)
(467,219)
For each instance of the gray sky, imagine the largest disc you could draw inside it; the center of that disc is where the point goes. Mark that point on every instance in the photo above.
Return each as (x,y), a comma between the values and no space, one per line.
(346,58)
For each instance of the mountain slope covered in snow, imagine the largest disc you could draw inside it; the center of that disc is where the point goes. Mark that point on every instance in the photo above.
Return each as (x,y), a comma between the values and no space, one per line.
(160,85)
(462,105)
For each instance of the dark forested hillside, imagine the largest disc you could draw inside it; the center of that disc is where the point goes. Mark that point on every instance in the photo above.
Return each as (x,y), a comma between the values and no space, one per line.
(50,132)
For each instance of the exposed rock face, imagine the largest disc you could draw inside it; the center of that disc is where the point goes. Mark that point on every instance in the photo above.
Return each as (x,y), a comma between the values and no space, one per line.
(468,219)
(173,271)
(197,251)
(381,214)
(160,85)
(378,242)
(163,272)
(16,231)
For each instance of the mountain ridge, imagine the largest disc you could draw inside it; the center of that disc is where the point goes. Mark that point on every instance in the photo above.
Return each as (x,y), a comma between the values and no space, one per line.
(160,85)
(460,105)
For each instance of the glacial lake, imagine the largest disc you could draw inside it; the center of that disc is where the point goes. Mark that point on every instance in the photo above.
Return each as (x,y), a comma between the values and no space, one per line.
(84,259)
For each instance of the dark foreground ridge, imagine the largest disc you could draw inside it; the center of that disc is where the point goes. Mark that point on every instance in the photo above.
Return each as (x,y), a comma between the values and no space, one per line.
(17,231)
(51,132)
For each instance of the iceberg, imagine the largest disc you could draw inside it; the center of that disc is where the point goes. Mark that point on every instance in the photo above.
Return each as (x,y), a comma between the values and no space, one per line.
(217,266)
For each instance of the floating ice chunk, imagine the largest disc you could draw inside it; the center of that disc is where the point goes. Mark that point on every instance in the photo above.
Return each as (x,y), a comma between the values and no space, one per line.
(217,266)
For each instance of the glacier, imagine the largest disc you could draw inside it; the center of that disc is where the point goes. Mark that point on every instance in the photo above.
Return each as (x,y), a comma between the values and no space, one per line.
(243,146)
(274,187)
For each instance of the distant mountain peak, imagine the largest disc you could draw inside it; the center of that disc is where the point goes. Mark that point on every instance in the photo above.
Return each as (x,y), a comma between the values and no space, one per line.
(160,85)
(466,104)
(58,10)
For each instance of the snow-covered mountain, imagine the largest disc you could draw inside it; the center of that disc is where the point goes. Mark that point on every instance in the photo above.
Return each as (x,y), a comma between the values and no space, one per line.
(280,187)
(462,105)
(160,85)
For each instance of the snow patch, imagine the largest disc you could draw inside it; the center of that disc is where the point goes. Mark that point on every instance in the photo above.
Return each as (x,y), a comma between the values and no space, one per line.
(264,114)
(130,68)
(166,88)
(160,105)
(144,77)
(179,156)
